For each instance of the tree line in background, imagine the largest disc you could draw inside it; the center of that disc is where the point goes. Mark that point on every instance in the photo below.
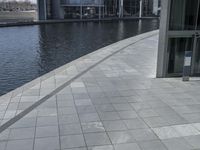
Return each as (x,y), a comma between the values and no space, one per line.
(17,5)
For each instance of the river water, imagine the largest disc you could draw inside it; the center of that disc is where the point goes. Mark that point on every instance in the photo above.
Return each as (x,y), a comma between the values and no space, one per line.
(28,52)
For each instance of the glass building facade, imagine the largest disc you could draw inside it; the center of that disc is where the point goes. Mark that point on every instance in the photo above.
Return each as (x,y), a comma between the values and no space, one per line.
(179,32)
(94,9)
(80,9)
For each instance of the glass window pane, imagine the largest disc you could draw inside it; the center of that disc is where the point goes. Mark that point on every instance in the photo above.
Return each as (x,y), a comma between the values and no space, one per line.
(111,8)
(90,12)
(131,8)
(72,12)
(177,48)
(183,14)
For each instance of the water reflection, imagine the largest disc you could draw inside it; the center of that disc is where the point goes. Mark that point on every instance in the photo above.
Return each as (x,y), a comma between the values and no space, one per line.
(29,52)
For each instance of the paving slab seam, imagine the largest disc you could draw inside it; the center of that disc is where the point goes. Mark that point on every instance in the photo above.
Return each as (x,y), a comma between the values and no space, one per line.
(58,125)
(80,124)
(45,98)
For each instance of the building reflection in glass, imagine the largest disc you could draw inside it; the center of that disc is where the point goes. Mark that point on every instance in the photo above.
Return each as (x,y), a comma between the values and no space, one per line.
(92,9)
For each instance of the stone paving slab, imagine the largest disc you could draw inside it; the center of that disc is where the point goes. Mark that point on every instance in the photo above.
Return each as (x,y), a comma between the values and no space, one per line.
(24,97)
(116,105)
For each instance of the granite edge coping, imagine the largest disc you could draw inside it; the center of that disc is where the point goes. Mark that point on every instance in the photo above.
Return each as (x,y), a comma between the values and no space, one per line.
(30,23)
(29,85)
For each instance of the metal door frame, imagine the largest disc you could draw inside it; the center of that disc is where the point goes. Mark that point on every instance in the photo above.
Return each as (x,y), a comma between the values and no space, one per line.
(196,40)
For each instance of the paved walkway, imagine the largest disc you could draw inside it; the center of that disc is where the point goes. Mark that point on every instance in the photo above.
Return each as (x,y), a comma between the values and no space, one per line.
(107,100)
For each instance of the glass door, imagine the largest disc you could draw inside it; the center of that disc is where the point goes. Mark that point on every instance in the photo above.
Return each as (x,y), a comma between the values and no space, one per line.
(183,35)
(177,47)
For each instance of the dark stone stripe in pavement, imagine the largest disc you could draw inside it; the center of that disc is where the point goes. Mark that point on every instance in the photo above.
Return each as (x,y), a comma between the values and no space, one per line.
(36,104)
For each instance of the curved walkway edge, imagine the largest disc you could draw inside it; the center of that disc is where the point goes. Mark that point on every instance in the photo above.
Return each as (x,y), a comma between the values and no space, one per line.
(43,88)
(106,100)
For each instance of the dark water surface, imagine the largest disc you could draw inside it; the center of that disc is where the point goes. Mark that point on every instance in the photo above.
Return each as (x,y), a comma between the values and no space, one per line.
(30,51)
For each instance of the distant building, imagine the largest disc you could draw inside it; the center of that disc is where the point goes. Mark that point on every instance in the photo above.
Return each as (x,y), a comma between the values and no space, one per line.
(17,6)
(179,32)
(86,9)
